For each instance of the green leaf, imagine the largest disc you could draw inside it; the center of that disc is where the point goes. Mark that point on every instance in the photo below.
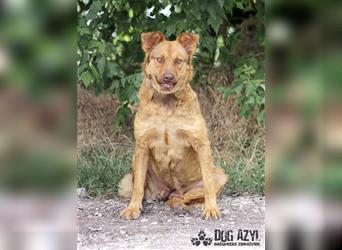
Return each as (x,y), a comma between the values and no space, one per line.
(86,78)
(123,81)
(112,69)
(237,89)
(101,64)
(250,88)
(82,68)
(95,72)
(171,29)
(85,1)
(251,100)
(137,80)
(261,117)
(94,9)
(221,3)
(122,115)
(208,43)
(84,31)
(245,110)
(239,5)
(214,22)
(223,56)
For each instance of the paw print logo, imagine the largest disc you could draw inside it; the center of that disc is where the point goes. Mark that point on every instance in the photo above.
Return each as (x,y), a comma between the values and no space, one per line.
(195,241)
(201,235)
(206,241)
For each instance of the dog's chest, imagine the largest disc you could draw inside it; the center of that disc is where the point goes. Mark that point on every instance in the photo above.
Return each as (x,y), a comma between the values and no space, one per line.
(166,145)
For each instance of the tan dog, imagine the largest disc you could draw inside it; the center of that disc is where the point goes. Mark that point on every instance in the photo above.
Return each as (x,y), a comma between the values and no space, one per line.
(172,159)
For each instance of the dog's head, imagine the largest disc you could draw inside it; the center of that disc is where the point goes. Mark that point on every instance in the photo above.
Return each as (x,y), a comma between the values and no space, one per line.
(168,63)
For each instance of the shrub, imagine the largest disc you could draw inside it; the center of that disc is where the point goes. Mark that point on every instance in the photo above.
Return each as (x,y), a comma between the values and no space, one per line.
(232,35)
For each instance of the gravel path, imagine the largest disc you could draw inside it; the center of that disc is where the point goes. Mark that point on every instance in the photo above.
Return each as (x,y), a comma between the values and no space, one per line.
(160,227)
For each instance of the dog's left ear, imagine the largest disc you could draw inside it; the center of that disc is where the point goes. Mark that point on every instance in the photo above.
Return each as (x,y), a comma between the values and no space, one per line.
(189,42)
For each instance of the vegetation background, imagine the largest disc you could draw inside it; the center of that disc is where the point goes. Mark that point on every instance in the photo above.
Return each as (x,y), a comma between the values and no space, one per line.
(229,77)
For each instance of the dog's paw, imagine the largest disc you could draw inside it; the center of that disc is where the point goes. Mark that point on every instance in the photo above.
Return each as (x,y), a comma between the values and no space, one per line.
(211,213)
(130,213)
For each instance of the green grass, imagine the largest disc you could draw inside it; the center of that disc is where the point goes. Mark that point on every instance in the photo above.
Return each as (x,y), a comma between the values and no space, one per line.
(244,162)
(99,171)
(243,179)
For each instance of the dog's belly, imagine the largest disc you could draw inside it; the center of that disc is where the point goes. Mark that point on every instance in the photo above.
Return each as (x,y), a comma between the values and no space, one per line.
(173,161)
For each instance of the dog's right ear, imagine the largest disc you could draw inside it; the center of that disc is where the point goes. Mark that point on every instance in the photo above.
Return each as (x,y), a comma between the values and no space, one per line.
(151,39)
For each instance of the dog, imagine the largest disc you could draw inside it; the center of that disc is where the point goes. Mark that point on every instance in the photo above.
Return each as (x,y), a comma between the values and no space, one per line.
(172,159)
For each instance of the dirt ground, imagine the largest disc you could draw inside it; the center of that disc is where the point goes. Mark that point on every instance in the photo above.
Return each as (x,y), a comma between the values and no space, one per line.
(160,227)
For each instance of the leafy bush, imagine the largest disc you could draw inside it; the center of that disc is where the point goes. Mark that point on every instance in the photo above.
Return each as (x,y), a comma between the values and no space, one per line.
(109,43)
(250,85)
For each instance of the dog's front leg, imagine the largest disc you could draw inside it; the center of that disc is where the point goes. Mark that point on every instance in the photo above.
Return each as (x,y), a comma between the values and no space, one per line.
(140,162)
(210,206)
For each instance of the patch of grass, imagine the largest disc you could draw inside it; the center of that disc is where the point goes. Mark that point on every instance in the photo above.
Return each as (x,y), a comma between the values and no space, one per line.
(100,170)
(244,180)
(245,166)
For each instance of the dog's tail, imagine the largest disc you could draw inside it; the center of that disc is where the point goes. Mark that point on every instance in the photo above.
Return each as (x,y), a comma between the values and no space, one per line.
(125,186)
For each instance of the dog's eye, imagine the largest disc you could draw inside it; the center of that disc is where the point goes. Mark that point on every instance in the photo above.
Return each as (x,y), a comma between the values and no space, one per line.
(160,60)
(179,61)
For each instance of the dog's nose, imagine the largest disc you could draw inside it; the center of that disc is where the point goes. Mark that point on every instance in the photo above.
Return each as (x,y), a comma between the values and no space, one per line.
(168,77)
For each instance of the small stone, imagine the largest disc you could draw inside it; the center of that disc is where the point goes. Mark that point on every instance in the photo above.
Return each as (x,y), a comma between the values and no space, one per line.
(169,220)
(99,215)
(81,192)
(144,220)
(131,231)
(95,229)
(187,220)
(154,223)
(122,232)
(225,212)
(149,201)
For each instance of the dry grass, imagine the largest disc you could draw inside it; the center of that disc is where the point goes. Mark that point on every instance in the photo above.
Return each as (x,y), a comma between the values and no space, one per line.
(95,116)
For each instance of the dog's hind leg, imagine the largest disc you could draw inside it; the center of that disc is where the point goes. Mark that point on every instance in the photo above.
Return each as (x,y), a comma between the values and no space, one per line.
(177,202)
(195,195)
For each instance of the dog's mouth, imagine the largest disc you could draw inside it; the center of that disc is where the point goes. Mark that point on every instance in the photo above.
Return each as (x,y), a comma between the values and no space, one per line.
(167,85)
